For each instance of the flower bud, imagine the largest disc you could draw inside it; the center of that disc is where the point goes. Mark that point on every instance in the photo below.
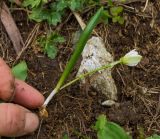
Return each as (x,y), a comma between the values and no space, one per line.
(132,58)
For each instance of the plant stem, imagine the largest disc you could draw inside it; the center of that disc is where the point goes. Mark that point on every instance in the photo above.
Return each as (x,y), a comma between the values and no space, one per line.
(49,97)
(79,48)
(111,65)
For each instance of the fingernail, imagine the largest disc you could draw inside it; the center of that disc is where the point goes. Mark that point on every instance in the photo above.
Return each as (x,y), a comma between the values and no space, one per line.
(31,123)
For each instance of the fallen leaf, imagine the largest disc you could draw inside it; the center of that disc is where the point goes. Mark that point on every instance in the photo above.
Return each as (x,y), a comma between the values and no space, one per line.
(11,28)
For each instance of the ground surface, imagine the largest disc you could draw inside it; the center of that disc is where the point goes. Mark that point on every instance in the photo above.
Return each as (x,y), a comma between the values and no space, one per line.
(74,110)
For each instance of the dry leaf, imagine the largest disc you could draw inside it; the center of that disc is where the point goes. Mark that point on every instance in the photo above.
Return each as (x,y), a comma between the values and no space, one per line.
(11,28)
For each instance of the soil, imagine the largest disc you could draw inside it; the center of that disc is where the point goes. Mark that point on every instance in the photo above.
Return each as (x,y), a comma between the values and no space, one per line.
(74,110)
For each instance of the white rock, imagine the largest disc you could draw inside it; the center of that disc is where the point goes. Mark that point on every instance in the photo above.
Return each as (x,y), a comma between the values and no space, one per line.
(95,55)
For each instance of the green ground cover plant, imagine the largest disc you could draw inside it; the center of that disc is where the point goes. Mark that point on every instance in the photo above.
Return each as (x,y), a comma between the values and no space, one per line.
(52,12)
(49,43)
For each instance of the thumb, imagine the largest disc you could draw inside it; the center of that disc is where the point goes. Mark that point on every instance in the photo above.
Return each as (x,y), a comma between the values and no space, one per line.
(16,121)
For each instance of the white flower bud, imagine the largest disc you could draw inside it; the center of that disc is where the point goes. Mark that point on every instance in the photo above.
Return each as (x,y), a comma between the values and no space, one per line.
(132,58)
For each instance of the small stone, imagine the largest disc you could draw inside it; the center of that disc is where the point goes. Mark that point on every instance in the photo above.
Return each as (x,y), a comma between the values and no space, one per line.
(108,103)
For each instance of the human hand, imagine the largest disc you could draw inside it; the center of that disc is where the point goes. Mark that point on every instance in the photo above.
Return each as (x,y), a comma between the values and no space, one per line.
(15,120)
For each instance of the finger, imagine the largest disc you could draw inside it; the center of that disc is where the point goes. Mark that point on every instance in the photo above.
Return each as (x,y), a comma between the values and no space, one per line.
(6,81)
(27,96)
(16,121)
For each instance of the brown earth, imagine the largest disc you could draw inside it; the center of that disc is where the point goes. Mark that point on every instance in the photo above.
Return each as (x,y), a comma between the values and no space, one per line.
(74,110)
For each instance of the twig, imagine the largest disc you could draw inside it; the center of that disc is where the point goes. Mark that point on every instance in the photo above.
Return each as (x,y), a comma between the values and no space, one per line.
(128,7)
(81,22)
(21,9)
(128,1)
(148,109)
(79,19)
(39,129)
(121,77)
(28,41)
(155,117)
(145,6)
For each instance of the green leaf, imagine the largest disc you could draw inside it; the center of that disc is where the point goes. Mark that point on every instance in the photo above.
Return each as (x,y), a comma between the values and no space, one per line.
(38,15)
(76,4)
(101,122)
(154,137)
(79,47)
(118,19)
(57,38)
(141,133)
(33,3)
(117,131)
(121,20)
(54,18)
(109,130)
(65,136)
(105,16)
(48,15)
(20,71)
(51,51)
(110,3)
(115,11)
(53,11)
(115,19)
(61,5)
(49,44)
